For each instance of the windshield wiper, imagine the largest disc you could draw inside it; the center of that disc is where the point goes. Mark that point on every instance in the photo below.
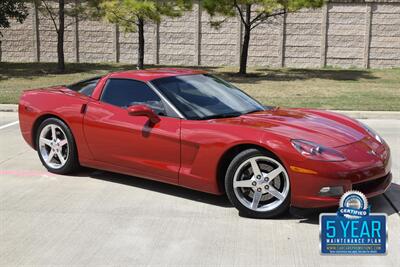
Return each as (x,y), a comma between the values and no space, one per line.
(225,115)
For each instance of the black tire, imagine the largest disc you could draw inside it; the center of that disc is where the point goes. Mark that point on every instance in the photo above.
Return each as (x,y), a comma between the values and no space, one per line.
(72,163)
(229,177)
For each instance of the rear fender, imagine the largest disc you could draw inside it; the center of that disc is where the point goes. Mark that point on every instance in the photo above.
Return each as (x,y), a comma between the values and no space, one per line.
(65,104)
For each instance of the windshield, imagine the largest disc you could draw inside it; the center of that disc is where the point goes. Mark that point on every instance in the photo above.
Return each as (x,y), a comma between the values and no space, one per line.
(204,96)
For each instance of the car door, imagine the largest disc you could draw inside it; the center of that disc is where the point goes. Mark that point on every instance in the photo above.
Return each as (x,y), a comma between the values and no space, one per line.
(133,142)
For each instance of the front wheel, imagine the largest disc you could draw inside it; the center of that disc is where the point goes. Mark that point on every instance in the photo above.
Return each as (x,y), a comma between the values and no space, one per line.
(257,184)
(56,147)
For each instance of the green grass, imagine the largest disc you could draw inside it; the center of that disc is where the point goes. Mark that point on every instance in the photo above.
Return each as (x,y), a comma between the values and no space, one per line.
(344,89)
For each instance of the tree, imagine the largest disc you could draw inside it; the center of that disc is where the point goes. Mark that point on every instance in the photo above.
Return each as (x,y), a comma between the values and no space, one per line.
(252,13)
(56,10)
(57,16)
(132,15)
(12,9)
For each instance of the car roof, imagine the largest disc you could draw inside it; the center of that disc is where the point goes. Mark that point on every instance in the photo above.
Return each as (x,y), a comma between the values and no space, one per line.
(152,74)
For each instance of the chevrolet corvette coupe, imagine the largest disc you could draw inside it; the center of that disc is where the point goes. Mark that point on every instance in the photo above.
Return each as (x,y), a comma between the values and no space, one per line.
(192,129)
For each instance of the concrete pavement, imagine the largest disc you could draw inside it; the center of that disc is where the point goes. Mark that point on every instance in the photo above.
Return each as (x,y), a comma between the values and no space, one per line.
(100,218)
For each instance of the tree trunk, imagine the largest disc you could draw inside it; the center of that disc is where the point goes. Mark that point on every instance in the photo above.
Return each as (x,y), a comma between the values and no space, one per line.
(60,37)
(140,63)
(246,41)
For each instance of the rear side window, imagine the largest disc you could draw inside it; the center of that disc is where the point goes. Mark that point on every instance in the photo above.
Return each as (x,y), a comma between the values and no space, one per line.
(124,93)
(85,87)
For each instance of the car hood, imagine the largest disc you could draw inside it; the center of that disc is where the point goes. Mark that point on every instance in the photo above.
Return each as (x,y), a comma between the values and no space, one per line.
(322,127)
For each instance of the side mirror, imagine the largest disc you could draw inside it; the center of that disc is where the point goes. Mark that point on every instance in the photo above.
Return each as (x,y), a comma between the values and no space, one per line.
(143,110)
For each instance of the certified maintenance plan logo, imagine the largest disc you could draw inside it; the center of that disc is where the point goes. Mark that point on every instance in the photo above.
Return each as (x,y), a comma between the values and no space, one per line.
(353,229)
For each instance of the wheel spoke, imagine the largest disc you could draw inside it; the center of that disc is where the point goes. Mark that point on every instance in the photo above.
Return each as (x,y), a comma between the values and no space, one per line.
(50,156)
(63,142)
(255,167)
(256,199)
(273,174)
(243,183)
(45,141)
(276,193)
(61,158)
(53,132)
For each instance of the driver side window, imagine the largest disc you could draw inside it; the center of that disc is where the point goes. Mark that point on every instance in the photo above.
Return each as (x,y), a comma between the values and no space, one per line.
(124,93)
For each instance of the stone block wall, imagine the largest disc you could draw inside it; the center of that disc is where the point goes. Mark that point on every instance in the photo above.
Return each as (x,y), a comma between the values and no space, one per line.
(360,33)
(385,36)
(265,44)
(303,38)
(218,46)
(17,41)
(177,40)
(346,35)
(95,41)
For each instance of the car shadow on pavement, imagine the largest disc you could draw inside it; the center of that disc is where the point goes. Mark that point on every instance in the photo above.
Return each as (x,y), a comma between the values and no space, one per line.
(393,196)
(156,186)
(379,204)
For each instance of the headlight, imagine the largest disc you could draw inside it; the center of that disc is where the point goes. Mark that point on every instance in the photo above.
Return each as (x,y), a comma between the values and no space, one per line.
(317,152)
(372,133)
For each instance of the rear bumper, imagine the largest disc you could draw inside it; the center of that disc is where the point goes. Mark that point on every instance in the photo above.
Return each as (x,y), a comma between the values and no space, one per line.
(25,122)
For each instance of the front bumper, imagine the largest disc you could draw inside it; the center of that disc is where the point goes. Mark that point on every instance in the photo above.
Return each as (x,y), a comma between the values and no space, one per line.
(368,173)
(370,188)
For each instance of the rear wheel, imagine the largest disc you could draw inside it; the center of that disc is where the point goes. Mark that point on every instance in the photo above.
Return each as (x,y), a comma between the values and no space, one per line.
(257,184)
(56,147)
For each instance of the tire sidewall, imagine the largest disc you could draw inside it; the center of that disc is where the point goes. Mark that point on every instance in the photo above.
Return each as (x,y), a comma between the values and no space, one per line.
(243,210)
(72,161)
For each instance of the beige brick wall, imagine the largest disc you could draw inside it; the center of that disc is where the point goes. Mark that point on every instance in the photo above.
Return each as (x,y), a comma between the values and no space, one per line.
(264,46)
(303,38)
(385,36)
(95,41)
(218,46)
(177,40)
(17,42)
(345,36)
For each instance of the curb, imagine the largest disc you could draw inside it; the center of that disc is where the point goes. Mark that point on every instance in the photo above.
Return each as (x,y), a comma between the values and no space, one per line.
(350,113)
(8,108)
(370,114)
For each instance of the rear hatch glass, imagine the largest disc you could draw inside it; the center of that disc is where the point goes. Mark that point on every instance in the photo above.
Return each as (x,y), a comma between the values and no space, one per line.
(85,87)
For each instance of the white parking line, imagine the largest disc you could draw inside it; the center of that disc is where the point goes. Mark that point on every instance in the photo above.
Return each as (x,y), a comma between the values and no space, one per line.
(8,124)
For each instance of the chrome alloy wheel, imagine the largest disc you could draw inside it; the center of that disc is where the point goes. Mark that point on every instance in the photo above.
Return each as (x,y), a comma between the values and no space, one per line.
(53,145)
(261,183)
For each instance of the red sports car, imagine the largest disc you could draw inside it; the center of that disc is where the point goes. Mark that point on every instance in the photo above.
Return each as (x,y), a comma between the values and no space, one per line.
(192,129)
